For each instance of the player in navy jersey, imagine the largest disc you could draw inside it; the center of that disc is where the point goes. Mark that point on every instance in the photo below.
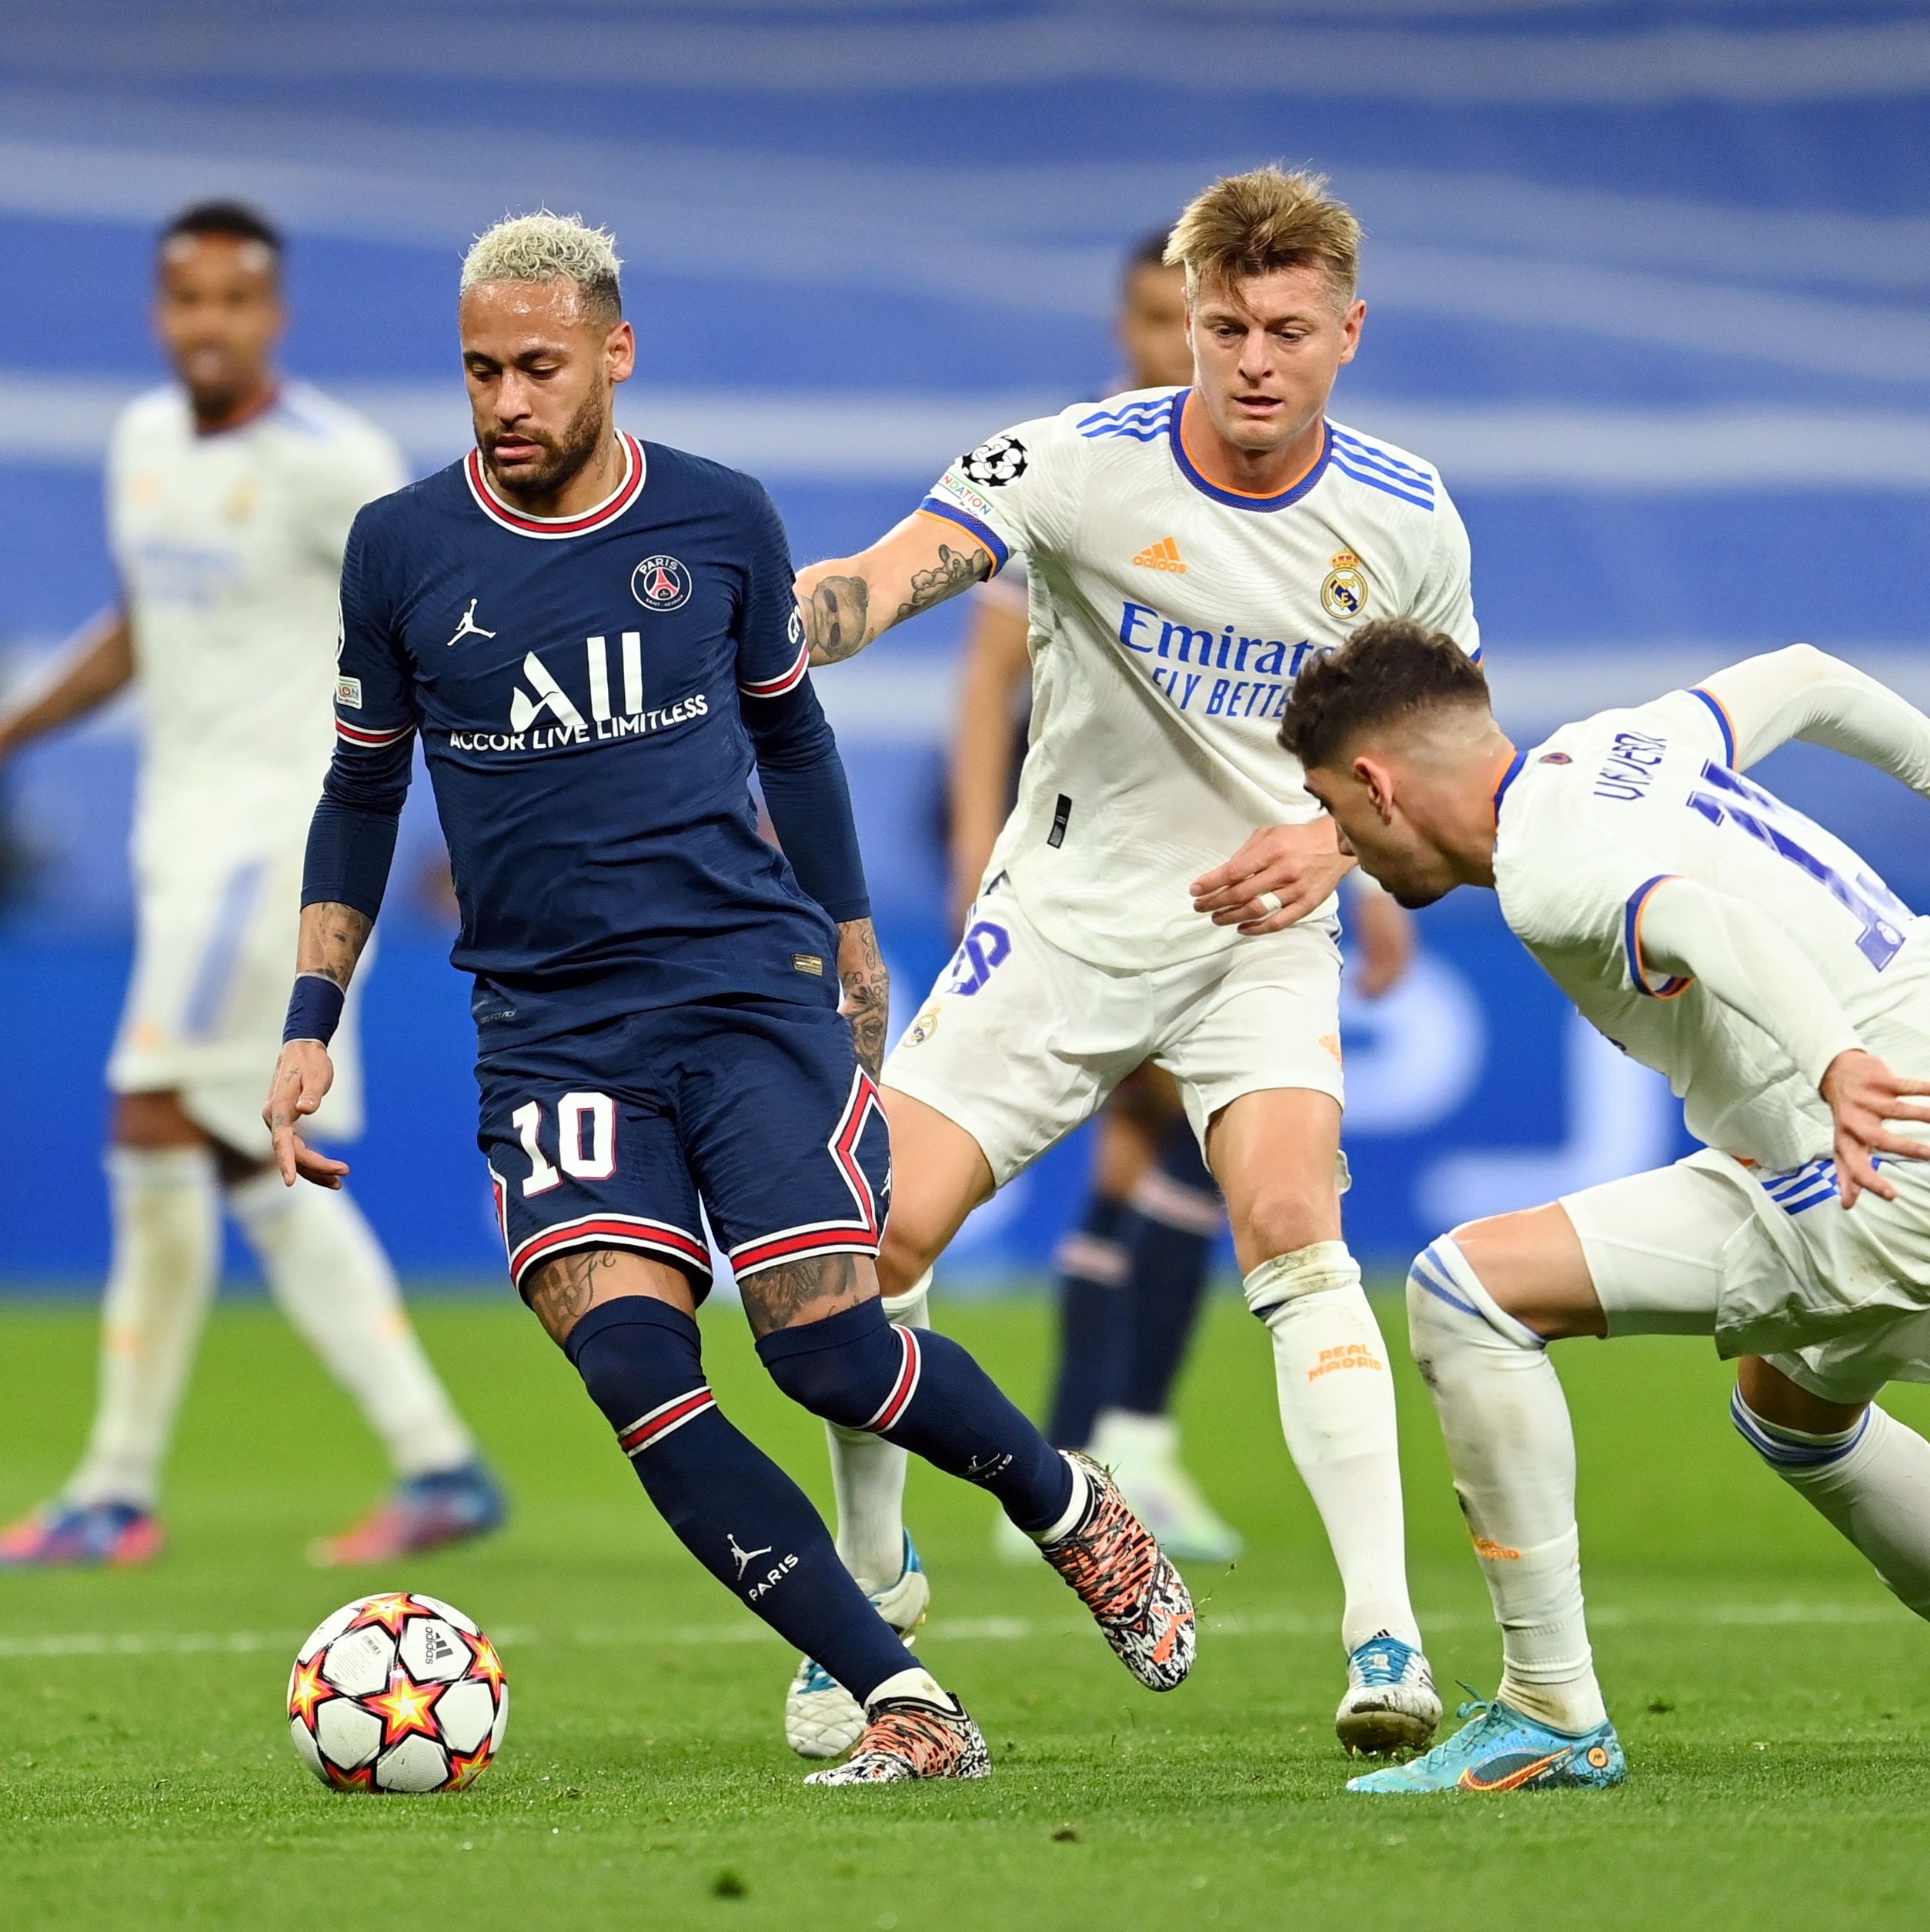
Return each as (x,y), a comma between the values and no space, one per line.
(596,639)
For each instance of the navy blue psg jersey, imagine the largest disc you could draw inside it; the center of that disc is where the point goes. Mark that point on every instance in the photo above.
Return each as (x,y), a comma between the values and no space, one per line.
(592,694)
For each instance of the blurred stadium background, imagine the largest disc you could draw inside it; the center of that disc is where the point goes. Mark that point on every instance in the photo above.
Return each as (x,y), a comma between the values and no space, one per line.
(1648,282)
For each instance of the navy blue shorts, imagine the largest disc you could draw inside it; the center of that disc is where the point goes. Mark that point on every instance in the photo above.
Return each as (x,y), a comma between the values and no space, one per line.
(609,1138)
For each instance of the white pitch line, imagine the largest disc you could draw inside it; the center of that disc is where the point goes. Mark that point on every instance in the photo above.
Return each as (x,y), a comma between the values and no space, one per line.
(964,1630)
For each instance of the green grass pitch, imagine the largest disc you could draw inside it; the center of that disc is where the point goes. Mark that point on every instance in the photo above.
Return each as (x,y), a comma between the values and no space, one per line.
(1773,1699)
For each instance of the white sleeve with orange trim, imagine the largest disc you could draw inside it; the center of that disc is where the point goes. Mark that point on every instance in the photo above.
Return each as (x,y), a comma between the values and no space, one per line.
(1017,491)
(1741,957)
(1805,693)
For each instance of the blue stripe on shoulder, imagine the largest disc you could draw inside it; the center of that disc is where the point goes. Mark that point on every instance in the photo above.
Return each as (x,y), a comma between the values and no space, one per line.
(1381,458)
(1375,480)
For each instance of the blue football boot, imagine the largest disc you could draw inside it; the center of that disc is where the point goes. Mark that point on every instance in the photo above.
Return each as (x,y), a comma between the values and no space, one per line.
(424,1513)
(1501,1750)
(822,1719)
(1391,1704)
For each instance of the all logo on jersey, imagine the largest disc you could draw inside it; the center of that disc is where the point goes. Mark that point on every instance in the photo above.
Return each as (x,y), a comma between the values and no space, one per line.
(1162,556)
(551,718)
(660,583)
(1344,593)
(994,464)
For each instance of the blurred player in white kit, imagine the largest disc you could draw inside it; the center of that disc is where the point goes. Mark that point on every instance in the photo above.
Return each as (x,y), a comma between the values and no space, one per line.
(230,495)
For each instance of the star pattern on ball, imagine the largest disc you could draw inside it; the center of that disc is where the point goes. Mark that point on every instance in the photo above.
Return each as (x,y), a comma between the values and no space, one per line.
(406,1707)
(487,1664)
(392,1612)
(464,1771)
(308,1689)
(363,1779)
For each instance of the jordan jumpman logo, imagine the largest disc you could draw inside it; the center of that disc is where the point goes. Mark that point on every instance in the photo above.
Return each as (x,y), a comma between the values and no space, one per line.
(469,627)
(745,1557)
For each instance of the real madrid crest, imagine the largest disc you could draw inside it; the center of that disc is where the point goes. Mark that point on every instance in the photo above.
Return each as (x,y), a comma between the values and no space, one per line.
(1344,594)
(660,583)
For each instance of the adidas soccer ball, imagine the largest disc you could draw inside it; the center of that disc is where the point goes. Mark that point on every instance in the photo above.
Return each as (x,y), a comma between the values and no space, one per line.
(399,1692)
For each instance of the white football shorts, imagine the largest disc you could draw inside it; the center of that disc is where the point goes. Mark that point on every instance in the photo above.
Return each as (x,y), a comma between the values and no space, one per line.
(1770,1265)
(1020,1041)
(214,960)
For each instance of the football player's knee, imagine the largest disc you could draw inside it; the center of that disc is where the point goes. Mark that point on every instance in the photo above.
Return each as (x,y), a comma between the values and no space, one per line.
(637,1357)
(1447,1306)
(847,1368)
(1284,1216)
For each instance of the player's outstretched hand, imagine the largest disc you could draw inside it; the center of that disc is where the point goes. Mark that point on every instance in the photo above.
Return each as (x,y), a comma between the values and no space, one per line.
(1298,865)
(303,1075)
(1864,1096)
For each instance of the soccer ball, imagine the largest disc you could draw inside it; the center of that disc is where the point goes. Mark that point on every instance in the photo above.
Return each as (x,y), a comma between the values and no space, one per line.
(399,1692)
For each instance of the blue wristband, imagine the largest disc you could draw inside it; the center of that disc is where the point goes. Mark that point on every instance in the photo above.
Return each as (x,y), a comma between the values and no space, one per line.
(314,1008)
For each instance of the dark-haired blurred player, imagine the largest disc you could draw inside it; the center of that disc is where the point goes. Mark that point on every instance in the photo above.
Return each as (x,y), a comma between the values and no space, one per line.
(230,493)
(1132,1272)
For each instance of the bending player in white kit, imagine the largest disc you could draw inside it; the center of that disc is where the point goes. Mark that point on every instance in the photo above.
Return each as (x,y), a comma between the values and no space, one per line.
(230,498)
(1188,551)
(1718,936)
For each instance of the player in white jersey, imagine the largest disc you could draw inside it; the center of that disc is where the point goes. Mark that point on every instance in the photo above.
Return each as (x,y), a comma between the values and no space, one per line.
(1723,939)
(1188,551)
(230,493)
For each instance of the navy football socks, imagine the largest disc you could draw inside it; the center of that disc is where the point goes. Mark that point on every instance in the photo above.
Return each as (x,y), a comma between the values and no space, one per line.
(1092,1273)
(1177,1217)
(919,1390)
(735,1511)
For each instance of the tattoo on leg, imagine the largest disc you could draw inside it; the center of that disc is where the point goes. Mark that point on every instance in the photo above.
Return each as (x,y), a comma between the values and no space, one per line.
(560,1295)
(835,619)
(774,1297)
(954,571)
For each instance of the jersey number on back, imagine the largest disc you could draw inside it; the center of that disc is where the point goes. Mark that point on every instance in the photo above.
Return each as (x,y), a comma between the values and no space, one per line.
(1765,817)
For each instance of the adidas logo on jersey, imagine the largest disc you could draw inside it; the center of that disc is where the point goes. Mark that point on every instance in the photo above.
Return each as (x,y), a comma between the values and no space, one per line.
(1162,556)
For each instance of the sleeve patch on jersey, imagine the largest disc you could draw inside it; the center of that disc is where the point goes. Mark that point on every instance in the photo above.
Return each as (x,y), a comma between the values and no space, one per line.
(1632,943)
(348,692)
(995,463)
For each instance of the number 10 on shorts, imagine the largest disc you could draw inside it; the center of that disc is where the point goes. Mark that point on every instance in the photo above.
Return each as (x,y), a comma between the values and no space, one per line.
(585,1140)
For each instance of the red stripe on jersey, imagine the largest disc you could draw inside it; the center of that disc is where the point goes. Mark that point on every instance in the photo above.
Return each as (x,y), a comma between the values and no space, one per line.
(612,507)
(787,681)
(361,734)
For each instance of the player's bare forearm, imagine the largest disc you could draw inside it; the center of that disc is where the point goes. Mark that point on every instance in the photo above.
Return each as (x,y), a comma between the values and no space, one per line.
(1386,933)
(868,991)
(102,662)
(996,662)
(332,940)
(850,602)
(1297,866)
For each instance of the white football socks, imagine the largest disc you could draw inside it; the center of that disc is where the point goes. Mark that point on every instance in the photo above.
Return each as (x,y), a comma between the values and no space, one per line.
(1872,1481)
(868,1475)
(1512,1451)
(328,1275)
(1337,1409)
(167,1251)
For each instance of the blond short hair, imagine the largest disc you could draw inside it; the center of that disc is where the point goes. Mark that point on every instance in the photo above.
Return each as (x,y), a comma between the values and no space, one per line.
(1249,225)
(543,247)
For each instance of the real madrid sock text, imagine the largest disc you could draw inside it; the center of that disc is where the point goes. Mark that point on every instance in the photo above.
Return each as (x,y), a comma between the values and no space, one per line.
(735,1511)
(921,1390)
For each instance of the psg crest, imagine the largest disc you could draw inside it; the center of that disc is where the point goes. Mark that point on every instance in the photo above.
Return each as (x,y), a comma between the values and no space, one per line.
(660,583)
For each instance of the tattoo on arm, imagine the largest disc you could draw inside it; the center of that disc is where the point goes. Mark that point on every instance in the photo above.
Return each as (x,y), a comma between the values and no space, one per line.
(774,1298)
(332,938)
(956,570)
(560,1295)
(868,991)
(837,619)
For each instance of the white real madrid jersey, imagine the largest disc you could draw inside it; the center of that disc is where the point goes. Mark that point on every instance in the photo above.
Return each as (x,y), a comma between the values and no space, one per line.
(1592,821)
(1169,617)
(230,549)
